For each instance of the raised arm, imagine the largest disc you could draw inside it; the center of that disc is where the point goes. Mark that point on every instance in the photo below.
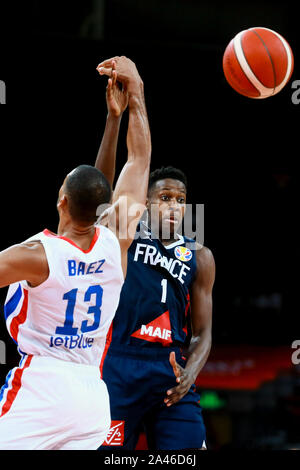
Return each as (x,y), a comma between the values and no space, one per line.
(136,169)
(131,188)
(116,101)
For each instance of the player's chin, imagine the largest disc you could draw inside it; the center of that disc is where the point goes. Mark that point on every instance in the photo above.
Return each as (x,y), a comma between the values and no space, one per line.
(169,227)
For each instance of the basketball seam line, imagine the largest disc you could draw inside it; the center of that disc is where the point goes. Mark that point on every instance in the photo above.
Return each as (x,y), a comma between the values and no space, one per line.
(256,83)
(247,64)
(236,55)
(272,63)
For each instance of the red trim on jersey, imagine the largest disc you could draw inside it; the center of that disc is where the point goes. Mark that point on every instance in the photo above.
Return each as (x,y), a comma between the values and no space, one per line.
(20,318)
(48,233)
(188,303)
(107,344)
(186,311)
(15,386)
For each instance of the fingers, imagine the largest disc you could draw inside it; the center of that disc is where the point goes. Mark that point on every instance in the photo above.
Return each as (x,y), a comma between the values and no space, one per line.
(107,66)
(124,67)
(109,87)
(175,394)
(110,72)
(114,77)
(176,367)
(105,71)
(108,62)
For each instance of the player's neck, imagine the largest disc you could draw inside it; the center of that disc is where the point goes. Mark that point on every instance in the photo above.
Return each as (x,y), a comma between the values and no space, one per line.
(165,239)
(81,235)
(168,241)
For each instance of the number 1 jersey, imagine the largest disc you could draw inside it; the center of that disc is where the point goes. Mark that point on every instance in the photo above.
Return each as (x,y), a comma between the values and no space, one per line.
(154,303)
(68,316)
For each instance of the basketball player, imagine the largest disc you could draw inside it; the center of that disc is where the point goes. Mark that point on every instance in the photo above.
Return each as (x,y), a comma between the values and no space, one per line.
(149,380)
(64,291)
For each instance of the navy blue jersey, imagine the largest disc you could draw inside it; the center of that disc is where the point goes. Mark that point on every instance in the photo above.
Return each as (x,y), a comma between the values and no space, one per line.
(154,304)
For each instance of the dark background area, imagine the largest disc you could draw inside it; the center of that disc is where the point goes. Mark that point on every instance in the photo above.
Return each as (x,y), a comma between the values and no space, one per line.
(240,155)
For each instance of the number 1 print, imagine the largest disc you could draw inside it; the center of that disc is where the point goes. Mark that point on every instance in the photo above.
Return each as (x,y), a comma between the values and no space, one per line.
(164,284)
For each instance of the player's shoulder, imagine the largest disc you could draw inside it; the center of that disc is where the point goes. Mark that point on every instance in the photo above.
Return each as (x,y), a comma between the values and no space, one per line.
(33,246)
(200,250)
(35,239)
(204,255)
(30,254)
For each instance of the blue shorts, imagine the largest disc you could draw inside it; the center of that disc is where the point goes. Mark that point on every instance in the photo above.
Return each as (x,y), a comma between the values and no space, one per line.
(137,380)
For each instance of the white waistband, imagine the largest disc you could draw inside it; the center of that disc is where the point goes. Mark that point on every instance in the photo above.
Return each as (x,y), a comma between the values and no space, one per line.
(86,369)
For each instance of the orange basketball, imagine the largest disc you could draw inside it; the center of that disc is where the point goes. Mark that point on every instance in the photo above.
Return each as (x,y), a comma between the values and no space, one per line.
(258,62)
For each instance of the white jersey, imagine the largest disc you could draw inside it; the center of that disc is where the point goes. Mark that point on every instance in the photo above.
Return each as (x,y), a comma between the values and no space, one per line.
(68,316)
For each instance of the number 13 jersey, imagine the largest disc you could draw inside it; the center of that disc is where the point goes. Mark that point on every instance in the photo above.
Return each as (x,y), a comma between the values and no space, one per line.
(68,316)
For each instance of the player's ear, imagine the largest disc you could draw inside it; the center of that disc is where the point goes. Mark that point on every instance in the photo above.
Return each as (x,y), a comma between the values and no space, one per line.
(62,202)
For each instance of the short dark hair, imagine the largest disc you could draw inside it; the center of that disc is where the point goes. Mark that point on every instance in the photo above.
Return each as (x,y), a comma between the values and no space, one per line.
(86,188)
(166,172)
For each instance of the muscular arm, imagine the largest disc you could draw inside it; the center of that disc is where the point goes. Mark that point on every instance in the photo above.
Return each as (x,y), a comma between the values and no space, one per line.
(26,261)
(201,313)
(106,158)
(130,192)
(201,322)
(133,179)
(116,101)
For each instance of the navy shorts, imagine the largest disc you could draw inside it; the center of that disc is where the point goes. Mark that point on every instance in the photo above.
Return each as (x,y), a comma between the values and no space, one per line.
(137,380)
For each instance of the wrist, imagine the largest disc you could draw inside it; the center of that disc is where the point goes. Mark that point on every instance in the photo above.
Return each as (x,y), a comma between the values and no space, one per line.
(191,372)
(136,101)
(112,117)
(135,88)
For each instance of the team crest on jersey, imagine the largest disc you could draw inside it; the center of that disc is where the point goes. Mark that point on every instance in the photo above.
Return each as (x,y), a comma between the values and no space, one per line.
(182,253)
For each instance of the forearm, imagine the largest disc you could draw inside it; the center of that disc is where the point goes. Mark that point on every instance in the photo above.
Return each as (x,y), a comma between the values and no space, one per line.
(106,158)
(138,135)
(197,353)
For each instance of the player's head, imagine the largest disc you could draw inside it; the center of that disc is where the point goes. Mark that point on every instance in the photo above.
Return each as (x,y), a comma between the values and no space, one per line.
(167,191)
(83,191)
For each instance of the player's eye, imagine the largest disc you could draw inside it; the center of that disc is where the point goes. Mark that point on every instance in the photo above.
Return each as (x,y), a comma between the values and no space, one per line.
(164,197)
(181,200)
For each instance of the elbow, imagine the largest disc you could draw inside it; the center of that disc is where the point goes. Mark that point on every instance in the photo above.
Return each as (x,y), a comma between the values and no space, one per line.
(203,336)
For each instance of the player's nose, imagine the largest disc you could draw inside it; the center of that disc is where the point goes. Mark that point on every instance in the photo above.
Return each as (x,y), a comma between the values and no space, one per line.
(174,205)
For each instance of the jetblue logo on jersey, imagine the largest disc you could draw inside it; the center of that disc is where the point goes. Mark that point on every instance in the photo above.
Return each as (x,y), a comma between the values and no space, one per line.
(71,342)
(183,253)
(150,255)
